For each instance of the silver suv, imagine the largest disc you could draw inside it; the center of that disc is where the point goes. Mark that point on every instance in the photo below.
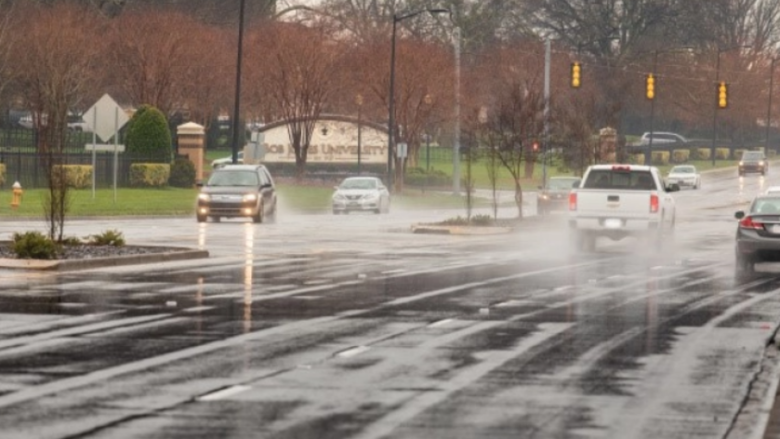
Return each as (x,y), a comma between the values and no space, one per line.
(232,191)
(660,137)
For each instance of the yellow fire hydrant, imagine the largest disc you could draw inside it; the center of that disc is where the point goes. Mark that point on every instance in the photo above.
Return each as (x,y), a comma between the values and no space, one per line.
(16,196)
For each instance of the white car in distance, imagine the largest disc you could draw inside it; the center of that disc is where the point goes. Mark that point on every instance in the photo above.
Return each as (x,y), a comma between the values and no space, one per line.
(361,194)
(684,176)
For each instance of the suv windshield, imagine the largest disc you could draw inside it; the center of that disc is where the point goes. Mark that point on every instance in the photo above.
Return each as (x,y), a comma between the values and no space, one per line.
(752,156)
(234,178)
(556,184)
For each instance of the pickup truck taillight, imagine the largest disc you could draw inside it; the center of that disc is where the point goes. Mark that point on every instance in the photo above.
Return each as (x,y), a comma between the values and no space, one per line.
(653,203)
(572,201)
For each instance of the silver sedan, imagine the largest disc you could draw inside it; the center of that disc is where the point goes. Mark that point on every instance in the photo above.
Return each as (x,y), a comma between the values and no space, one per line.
(361,194)
(684,176)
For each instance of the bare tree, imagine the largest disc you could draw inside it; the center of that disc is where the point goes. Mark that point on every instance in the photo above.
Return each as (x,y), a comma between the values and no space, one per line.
(57,63)
(150,56)
(297,70)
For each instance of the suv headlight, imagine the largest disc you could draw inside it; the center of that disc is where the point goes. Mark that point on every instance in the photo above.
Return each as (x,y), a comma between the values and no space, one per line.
(204,197)
(250,197)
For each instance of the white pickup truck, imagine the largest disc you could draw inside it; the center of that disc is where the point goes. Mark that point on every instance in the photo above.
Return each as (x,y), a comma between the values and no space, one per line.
(618,200)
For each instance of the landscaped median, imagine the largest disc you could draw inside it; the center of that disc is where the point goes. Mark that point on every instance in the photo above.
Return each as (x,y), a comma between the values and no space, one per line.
(111,256)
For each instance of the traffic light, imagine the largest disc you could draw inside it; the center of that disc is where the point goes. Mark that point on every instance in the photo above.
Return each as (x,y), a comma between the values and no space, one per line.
(650,86)
(575,75)
(723,95)
(536,146)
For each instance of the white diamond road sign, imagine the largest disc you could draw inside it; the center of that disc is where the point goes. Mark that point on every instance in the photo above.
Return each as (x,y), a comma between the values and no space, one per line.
(105,118)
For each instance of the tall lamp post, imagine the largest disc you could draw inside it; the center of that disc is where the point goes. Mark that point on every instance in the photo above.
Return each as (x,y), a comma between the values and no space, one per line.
(359,102)
(769,104)
(237,99)
(391,97)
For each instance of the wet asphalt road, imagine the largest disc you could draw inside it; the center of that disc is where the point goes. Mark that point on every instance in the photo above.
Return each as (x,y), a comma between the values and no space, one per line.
(325,326)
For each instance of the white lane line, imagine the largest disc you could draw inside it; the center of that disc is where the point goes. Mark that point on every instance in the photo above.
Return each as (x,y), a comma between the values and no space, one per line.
(49,324)
(80,330)
(224,393)
(441,323)
(357,350)
(198,308)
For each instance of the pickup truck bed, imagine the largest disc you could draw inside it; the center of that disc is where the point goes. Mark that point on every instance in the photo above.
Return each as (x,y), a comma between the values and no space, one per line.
(617,201)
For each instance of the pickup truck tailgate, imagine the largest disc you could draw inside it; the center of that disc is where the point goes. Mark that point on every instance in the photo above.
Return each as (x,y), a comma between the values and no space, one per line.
(607,203)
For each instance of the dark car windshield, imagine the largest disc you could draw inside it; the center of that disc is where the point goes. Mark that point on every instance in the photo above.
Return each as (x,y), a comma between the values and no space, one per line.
(619,179)
(752,155)
(358,183)
(234,178)
(557,184)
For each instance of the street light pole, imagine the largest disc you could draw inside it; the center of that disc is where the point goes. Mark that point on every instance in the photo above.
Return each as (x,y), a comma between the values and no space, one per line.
(359,101)
(237,99)
(769,104)
(391,98)
(456,141)
(547,61)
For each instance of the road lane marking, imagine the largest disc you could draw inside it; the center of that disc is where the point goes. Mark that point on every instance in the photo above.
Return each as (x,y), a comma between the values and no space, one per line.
(440,323)
(351,352)
(224,393)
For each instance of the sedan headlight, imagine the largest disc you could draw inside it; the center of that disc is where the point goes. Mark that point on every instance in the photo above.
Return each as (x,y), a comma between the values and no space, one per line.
(250,198)
(338,196)
(371,196)
(204,197)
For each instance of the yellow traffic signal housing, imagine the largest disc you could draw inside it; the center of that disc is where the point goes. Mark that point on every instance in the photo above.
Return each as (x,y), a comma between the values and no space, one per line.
(650,86)
(723,95)
(575,74)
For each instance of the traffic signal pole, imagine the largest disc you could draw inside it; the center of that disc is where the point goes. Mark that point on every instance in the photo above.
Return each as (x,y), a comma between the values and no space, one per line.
(651,96)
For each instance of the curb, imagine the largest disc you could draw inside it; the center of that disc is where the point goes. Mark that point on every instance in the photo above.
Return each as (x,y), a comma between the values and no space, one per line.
(461,230)
(112,261)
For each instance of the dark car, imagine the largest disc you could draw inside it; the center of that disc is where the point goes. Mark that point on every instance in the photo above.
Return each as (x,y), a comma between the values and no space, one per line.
(555,194)
(753,161)
(758,234)
(238,191)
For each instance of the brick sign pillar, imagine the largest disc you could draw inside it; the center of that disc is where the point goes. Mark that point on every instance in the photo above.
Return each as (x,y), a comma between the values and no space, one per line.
(192,144)
(607,146)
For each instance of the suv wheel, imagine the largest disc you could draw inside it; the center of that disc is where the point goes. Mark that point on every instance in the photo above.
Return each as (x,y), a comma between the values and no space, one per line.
(258,218)
(201,218)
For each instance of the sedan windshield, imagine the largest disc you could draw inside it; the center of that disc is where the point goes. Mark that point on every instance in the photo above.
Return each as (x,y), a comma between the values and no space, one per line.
(234,178)
(683,170)
(561,183)
(358,183)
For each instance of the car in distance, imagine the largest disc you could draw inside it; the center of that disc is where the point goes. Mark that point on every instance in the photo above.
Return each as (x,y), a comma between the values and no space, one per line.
(218,163)
(753,161)
(684,176)
(661,137)
(361,194)
(238,191)
(772,190)
(758,234)
(555,194)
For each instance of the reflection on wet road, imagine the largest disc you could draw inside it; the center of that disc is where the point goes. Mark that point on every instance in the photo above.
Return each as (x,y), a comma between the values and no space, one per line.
(321,326)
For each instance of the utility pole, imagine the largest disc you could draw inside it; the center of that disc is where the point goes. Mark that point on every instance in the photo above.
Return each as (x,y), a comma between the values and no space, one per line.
(545,146)
(456,141)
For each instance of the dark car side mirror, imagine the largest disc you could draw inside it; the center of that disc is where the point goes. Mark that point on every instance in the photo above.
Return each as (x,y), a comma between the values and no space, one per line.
(199,183)
(739,214)
(539,187)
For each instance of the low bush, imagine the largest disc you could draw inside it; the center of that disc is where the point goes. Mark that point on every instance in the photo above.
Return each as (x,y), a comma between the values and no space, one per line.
(34,245)
(681,155)
(182,173)
(421,177)
(149,174)
(2,174)
(637,159)
(660,158)
(722,153)
(109,237)
(703,154)
(76,176)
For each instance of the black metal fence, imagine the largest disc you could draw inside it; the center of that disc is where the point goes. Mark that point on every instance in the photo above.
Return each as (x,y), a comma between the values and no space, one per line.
(23,163)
